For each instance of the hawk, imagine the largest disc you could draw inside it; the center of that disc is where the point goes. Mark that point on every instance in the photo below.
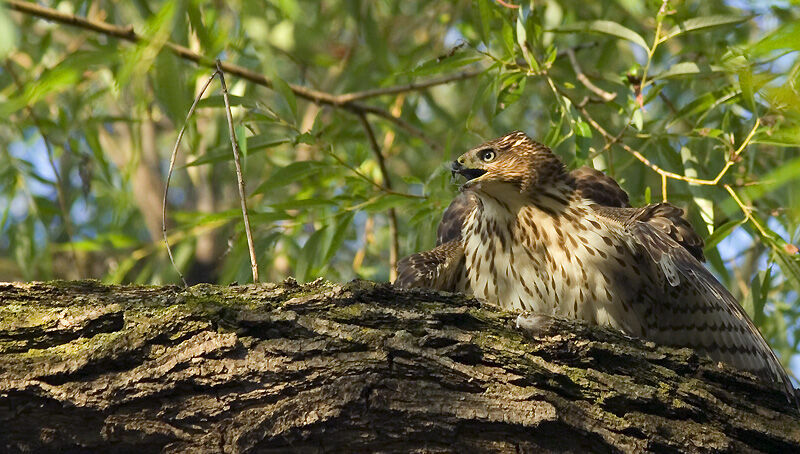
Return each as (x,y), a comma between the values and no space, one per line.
(527,235)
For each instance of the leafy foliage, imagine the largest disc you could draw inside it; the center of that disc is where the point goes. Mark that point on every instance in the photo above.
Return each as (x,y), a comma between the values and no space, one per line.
(695,102)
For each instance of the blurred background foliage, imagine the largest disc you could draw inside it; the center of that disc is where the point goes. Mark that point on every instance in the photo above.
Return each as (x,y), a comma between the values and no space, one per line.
(694,101)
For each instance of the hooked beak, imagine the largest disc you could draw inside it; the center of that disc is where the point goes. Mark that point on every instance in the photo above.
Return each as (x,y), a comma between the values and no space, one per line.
(469,174)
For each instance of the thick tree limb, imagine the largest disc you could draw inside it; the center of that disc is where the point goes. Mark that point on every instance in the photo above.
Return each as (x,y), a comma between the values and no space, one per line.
(356,367)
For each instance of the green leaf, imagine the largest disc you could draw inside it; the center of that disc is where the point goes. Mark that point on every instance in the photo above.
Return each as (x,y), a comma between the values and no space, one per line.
(382,203)
(260,142)
(721,232)
(290,174)
(705,22)
(188,219)
(264,141)
(788,136)
(785,37)
(508,38)
(638,119)
(336,240)
(512,87)
(786,173)
(302,203)
(522,41)
(748,89)
(485,17)
(699,194)
(583,140)
(606,28)
(140,58)
(286,92)
(8,34)
(687,68)
(445,63)
(170,87)
(308,255)
(522,36)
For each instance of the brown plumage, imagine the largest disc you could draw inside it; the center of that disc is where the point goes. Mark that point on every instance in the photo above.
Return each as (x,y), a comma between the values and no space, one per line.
(525,234)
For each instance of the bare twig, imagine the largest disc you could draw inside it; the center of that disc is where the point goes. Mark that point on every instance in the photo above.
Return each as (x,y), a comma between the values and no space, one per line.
(604,95)
(169,173)
(507,5)
(747,211)
(387,183)
(239,179)
(347,101)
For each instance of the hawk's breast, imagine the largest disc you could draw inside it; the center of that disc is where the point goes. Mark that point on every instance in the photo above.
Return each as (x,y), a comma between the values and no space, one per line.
(555,259)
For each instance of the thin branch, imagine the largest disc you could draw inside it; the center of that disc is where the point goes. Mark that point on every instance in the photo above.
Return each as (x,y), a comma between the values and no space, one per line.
(747,211)
(507,5)
(387,183)
(369,180)
(347,101)
(604,95)
(414,86)
(239,179)
(169,173)
(62,199)
(639,85)
(664,173)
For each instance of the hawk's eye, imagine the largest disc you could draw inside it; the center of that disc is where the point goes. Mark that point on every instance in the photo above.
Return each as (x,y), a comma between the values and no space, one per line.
(486,155)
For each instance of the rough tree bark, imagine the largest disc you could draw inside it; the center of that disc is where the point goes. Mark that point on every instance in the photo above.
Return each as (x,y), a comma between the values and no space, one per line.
(86,367)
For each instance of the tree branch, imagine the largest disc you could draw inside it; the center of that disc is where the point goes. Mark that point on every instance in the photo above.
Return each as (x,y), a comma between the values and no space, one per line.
(361,367)
(347,101)
(239,179)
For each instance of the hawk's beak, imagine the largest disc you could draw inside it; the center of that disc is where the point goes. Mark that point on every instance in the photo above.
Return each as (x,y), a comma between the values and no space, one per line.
(469,174)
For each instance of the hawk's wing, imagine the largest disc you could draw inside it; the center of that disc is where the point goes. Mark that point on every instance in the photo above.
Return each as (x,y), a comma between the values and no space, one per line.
(666,218)
(598,187)
(697,309)
(441,268)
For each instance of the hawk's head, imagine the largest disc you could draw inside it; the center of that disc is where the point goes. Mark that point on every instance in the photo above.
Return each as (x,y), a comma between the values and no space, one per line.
(513,160)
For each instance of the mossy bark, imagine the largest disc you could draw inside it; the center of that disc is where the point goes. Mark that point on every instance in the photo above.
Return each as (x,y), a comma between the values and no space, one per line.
(355,367)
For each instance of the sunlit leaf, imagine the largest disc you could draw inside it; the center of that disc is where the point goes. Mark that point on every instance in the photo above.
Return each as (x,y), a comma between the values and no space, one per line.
(721,232)
(8,34)
(445,63)
(703,23)
(687,68)
(787,36)
(604,27)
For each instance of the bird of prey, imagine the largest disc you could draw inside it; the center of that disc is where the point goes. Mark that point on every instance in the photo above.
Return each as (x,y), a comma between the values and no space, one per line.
(526,235)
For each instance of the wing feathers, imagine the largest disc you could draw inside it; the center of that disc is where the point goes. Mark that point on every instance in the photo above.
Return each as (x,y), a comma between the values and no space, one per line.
(440,268)
(717,324)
